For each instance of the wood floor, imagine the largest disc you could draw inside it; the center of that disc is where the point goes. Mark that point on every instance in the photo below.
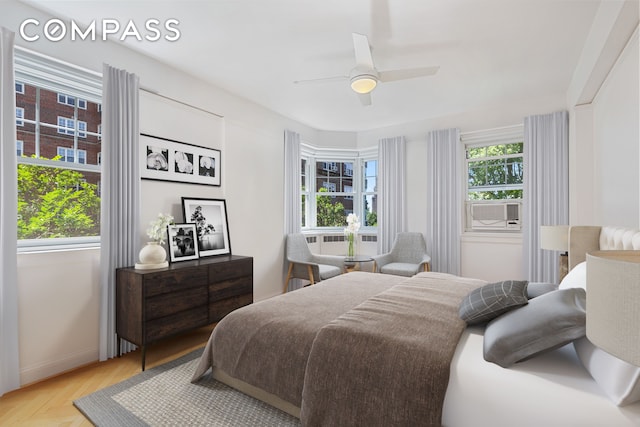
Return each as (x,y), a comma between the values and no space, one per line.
(50,402)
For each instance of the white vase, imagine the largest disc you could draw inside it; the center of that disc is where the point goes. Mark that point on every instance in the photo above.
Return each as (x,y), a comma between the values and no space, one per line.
(152,255)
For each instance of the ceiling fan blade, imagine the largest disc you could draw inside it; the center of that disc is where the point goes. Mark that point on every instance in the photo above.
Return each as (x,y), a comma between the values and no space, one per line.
(322,80)
(409,73)
(365,98)
(363,51)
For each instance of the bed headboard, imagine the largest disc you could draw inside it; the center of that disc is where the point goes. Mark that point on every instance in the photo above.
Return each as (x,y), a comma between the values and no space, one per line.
(588,238)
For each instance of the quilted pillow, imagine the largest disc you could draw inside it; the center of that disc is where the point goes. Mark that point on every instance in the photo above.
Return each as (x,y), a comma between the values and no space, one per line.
(490,301)
(547,322)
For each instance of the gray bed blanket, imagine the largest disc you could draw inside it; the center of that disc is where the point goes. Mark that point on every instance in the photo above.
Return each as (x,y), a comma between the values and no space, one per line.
(386,362)
(267,344)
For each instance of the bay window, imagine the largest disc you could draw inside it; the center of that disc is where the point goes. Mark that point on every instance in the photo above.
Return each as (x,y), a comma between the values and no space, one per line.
(335,184)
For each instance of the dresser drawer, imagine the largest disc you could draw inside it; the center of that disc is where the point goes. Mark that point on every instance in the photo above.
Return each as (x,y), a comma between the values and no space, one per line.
(174,302)
(231,269)
(176,323)
(221,308)
(230,288)
(174,281)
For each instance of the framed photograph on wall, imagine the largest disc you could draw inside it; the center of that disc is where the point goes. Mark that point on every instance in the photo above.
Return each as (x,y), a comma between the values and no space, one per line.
(183,243)
(210,218)
(168,160)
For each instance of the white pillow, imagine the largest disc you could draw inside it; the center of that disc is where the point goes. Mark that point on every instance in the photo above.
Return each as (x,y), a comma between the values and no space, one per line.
(577,277)
(618,379)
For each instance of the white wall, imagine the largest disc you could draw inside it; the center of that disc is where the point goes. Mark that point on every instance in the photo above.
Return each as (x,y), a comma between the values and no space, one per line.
(616,195)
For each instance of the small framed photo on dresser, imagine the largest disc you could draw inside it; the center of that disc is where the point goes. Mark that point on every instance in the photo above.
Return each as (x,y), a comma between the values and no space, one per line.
(183,242)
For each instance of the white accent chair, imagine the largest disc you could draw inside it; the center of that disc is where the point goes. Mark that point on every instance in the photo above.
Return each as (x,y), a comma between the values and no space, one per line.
(305,265)
(407,257)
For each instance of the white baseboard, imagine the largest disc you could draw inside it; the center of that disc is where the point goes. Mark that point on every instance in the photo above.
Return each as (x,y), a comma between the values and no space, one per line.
(47,369)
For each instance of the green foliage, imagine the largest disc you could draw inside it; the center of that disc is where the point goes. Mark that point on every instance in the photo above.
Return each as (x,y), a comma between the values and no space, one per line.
(372,219)
(329,214)
(56,202)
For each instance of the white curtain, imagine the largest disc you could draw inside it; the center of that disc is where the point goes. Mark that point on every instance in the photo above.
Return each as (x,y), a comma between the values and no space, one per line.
(392,216)
(120,215)
(292,184)
(9,360)
(546,189)
(444,200)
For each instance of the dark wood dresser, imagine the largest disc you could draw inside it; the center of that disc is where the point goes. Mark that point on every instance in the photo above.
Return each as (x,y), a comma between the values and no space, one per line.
(155,304)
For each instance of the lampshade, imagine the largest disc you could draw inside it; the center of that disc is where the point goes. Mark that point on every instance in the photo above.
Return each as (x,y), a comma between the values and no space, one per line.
(363,83)
(613,303)
(554,237)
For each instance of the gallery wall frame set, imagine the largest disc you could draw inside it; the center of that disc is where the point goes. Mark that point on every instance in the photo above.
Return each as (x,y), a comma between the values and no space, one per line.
(212,228)
(165,159)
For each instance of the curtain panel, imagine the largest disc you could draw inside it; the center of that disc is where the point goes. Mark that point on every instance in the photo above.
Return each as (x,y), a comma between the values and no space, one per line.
(120,212)
(9,356)
(444,218)
(392,216)
(292,194)
(546,189)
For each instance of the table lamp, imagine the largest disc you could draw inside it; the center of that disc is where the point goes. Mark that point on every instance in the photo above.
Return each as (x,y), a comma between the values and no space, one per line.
(613,303)
(556,238)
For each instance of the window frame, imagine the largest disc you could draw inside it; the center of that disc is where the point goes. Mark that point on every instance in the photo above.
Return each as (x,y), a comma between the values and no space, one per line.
(332,157)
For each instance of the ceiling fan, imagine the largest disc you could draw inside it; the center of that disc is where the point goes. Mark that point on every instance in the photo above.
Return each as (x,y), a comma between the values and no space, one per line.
(364,77)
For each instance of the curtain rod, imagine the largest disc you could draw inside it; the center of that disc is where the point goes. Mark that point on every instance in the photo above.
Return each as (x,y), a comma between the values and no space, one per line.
(153,92)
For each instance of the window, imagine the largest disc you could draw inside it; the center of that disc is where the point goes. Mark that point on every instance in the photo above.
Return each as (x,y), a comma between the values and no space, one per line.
(19,116)
(68,127)
(19,87)
(68,155)
(71,101)
(331,189)
(58,194)
(369,194)
(494,171)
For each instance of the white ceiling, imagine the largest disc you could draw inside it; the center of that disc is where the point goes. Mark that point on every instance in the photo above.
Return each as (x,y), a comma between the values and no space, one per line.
(490,52)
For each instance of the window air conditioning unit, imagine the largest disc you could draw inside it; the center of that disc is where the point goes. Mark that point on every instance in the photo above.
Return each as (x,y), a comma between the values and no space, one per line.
(493,216)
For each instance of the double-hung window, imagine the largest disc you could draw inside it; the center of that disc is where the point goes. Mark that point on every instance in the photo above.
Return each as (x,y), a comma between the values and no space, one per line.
(335,184)
(57,145)
(494,179)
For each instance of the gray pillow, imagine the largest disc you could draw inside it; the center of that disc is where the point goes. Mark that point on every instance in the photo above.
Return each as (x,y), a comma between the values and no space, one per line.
(535,289)
(547,322)
(490,301)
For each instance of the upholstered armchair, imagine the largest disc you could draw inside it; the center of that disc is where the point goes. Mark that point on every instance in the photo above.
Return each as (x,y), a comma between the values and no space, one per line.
(407,257)
(305,265)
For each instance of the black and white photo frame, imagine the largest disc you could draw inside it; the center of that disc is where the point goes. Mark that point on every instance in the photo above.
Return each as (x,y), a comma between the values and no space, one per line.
(212,227)
(169,160)
(183,242)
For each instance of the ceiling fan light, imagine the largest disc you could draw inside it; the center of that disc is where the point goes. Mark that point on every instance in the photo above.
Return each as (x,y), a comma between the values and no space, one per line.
(363,84)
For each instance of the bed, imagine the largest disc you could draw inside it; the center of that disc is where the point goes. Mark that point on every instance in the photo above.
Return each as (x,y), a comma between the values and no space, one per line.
(372,349)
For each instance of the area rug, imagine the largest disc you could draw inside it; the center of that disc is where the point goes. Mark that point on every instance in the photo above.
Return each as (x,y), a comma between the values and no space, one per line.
(164,396)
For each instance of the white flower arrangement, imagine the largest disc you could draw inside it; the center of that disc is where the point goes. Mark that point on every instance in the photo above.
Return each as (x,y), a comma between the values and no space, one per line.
(157,230)
(353,224)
